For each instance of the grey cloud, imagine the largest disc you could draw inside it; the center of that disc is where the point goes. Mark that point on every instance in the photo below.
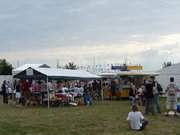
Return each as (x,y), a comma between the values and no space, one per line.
(37,24)
(170,47)
(41,19)
(153,58)
(149,54)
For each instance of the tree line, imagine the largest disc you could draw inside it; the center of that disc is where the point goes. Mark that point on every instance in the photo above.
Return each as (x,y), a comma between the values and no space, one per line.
(5,67)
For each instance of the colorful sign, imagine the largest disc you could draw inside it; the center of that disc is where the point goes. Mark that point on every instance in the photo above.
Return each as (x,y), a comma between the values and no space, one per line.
(121,68)
(135,67)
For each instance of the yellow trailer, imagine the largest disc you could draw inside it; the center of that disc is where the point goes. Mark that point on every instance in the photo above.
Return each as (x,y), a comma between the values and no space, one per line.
(124,77)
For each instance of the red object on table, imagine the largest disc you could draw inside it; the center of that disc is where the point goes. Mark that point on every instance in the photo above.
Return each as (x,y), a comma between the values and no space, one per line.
(62,97)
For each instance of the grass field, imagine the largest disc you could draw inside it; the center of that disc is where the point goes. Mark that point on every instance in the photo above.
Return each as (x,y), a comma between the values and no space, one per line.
(103,118)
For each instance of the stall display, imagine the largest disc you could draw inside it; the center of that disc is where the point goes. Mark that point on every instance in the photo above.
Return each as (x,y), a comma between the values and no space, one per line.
(49,74)
(123,79)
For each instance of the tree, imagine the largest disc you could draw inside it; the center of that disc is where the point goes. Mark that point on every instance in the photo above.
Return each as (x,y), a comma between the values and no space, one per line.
(5,67)
(71,65)
(167,64)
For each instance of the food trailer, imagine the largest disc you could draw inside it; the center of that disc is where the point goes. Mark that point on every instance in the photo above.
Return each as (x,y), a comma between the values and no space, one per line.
(123,79)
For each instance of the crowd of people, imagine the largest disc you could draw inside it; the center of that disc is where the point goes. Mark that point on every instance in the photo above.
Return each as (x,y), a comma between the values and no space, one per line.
(25,91)
(20,91)
(148,96)
(6,90)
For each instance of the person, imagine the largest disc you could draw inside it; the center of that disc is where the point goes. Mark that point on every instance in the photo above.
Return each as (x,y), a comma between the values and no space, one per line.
(18,93)
(14,90)
(10,91)
(86,95)
(132,94)
(25,91)
(37,92)
(171,100)
(136,120)
(149,97)
(99,90)
(94,89)
(140,94)
(4,88)
(157,90)
(113,88)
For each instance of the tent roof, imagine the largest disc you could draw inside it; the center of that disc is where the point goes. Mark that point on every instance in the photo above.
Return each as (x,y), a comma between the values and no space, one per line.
(25,66)
(53,73)
(173,69)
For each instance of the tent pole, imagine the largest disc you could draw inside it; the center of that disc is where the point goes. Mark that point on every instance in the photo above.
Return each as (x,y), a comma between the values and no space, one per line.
(48,92)
(102,90)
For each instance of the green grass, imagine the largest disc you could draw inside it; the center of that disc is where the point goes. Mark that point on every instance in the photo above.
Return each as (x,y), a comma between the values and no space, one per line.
(103,118)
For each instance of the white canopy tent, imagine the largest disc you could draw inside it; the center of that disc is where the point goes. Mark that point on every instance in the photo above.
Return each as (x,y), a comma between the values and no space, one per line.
(54,74)
(166,73)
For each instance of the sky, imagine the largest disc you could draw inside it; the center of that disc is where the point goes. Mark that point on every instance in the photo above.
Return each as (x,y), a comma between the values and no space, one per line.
(145,32)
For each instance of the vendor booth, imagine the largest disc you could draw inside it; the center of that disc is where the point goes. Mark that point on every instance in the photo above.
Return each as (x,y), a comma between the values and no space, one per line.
(49,74)
(122,80)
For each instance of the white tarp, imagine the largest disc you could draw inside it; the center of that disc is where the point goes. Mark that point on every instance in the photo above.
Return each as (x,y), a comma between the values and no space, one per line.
(166,73)
(52,72)
(26,66)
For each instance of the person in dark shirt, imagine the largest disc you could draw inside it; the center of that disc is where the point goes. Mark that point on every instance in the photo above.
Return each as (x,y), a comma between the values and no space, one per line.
(157,90)
(86,95)
(94,85)
(149,96)
(99,90)
(95,89)
(4,92)
(113,88)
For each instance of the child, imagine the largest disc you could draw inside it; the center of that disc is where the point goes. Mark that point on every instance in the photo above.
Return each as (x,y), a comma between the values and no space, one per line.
(136,120)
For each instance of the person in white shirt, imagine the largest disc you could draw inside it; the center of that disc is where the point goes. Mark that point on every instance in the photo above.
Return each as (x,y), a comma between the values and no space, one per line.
(136,120)
(171,100)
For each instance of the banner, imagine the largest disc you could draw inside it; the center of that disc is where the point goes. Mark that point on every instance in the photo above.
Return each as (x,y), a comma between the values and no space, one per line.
(135,67)
(121,68)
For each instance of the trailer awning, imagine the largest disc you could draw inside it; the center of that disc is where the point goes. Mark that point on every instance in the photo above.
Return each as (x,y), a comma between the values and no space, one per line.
(128,73)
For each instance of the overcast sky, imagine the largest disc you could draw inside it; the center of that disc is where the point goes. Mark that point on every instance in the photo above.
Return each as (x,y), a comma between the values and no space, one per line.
(145,32)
